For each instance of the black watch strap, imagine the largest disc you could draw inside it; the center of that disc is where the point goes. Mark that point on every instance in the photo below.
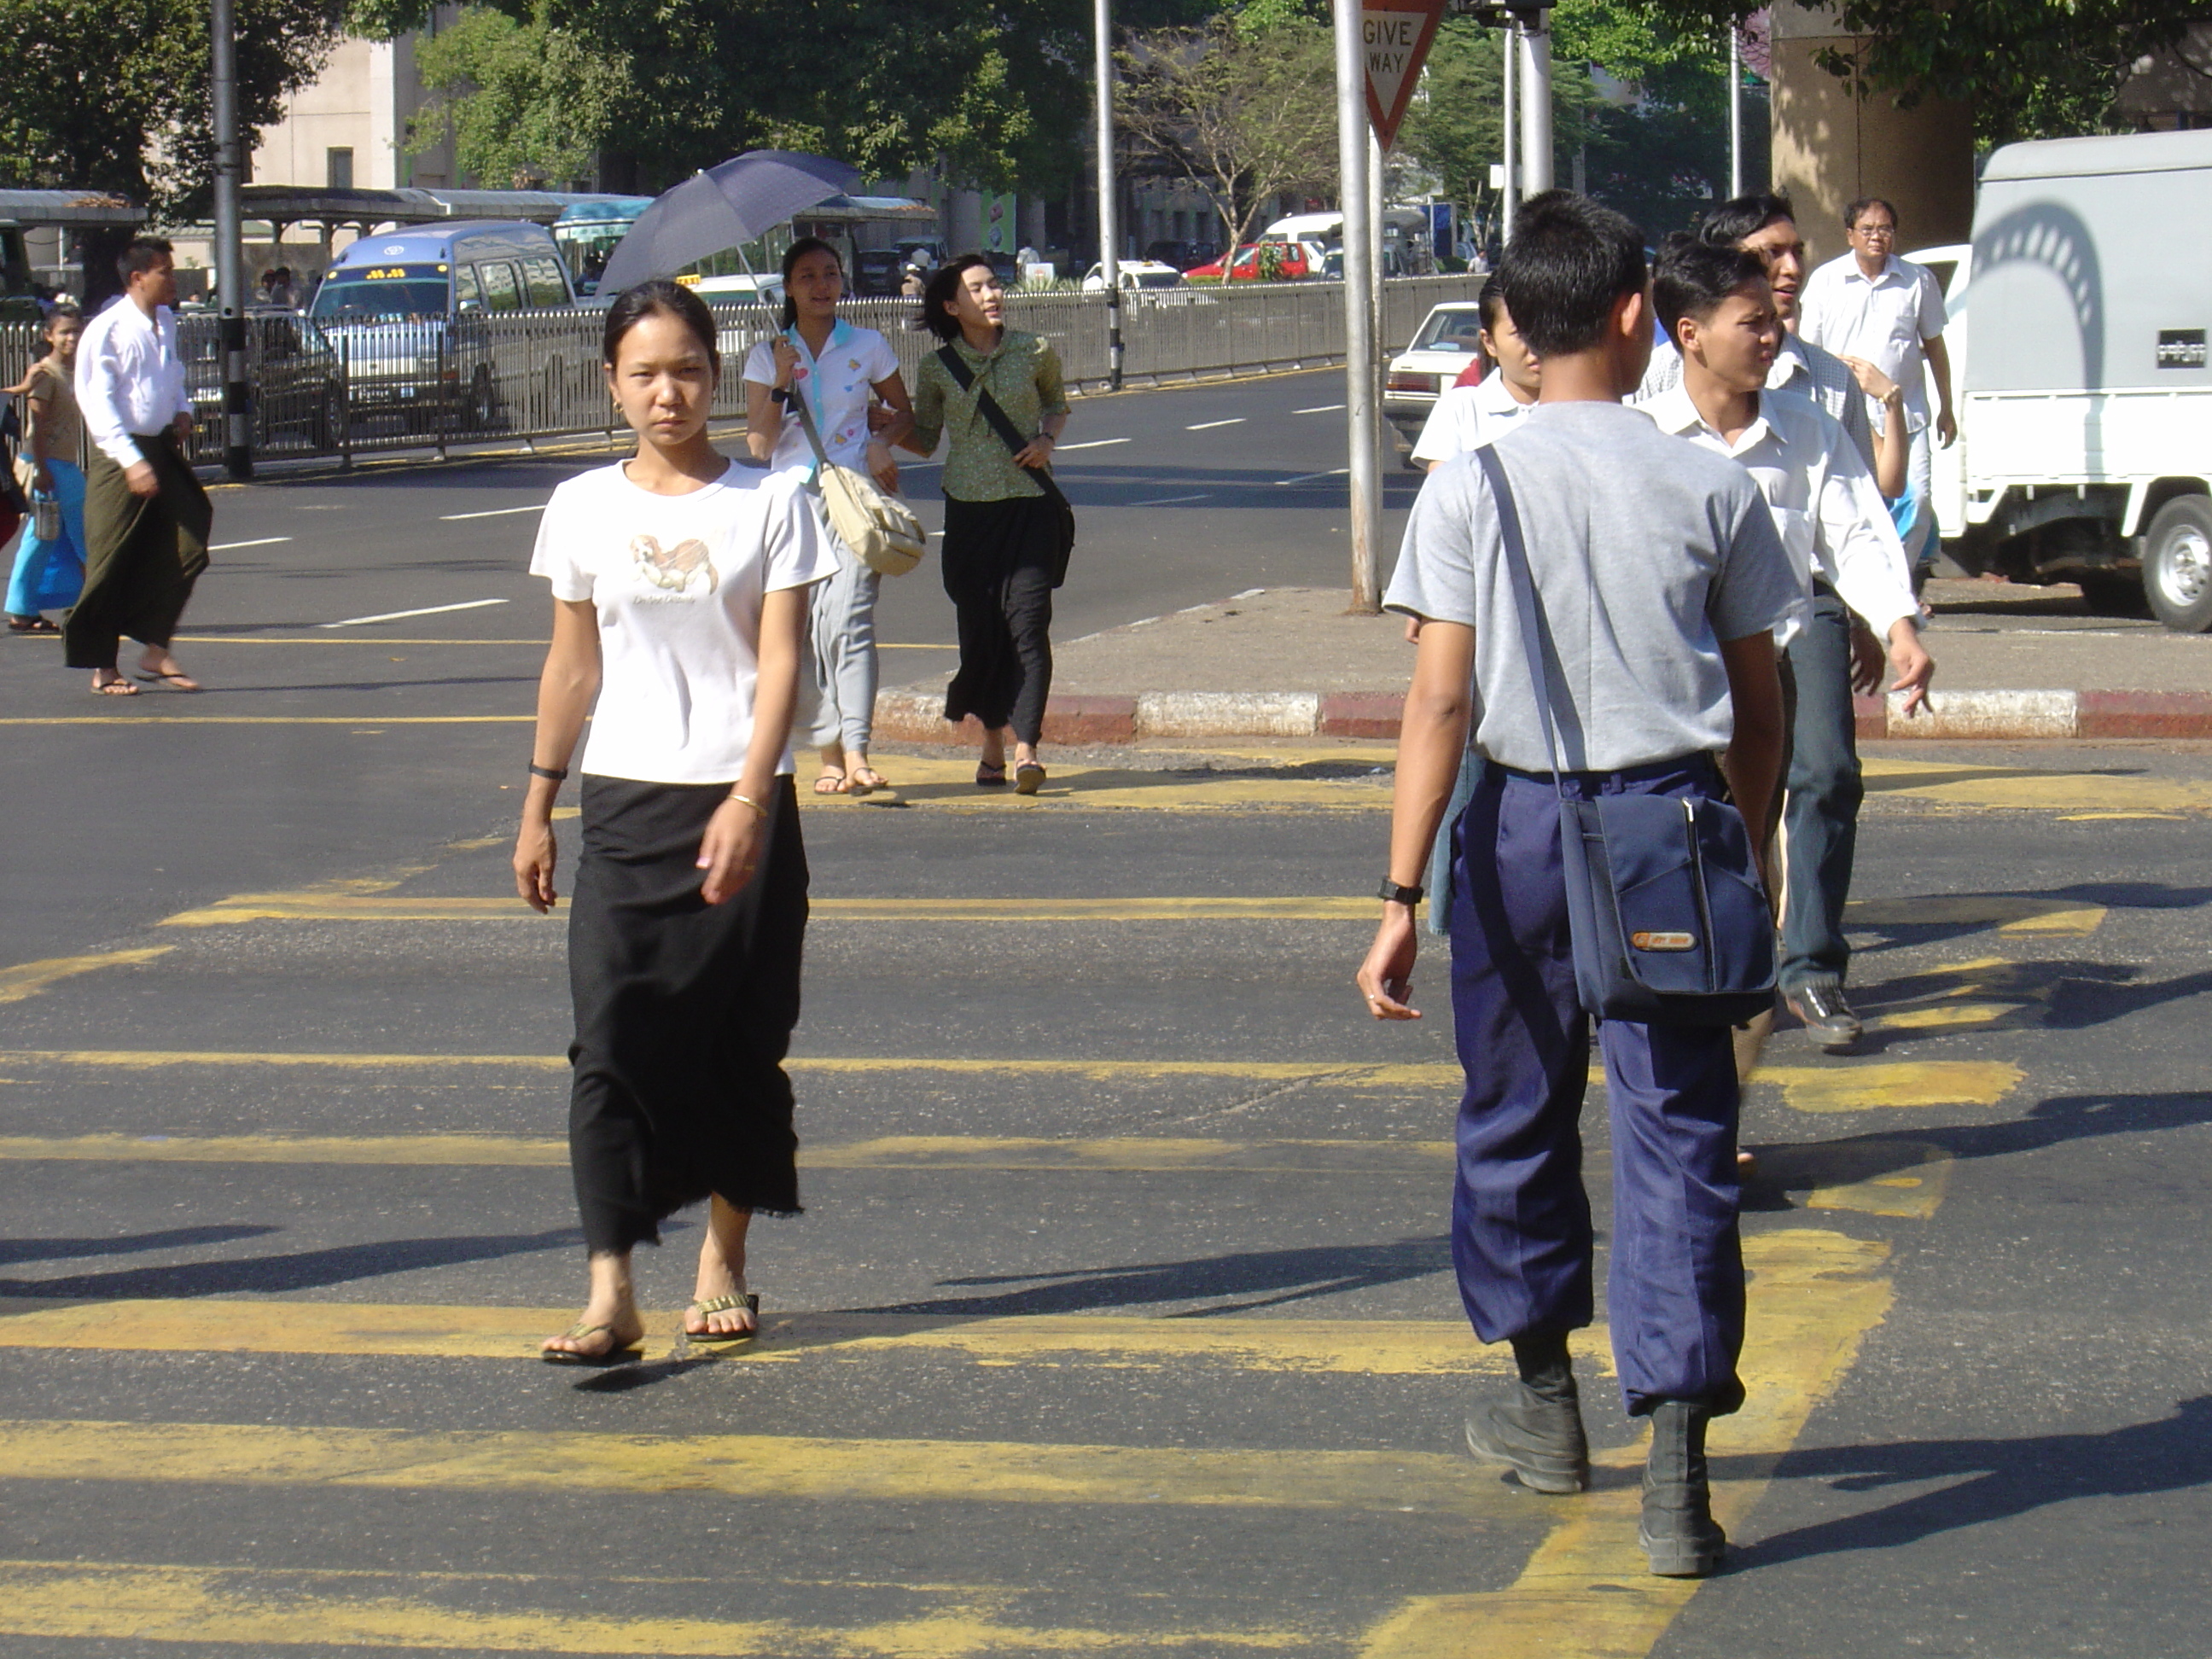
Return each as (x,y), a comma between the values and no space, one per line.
(1392,893)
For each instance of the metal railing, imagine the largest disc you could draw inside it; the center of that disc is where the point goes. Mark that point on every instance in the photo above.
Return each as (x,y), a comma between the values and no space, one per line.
(345,388)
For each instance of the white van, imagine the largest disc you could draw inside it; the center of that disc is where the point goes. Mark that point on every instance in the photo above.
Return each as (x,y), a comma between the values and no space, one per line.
(2080,314)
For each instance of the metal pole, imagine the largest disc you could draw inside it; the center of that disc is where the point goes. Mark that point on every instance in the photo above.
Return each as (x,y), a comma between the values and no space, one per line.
(1535,103)
(1735,113)
(1510,197)
(1376,166)
(230,256)
(1109,264)
(1363,415)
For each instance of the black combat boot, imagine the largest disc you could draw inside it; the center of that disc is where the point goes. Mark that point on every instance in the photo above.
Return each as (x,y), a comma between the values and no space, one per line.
(1679,1531)
(1537,1430)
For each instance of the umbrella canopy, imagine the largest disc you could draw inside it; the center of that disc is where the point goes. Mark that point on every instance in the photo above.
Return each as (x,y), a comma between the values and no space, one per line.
(718,208)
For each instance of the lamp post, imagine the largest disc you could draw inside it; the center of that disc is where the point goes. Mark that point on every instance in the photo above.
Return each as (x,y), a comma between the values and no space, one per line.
(1109,265)
(1361,413)
(229,257)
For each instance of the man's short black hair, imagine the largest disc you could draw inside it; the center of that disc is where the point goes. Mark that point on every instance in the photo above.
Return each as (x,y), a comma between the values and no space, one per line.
(1747,215)
(1490,300)
(1569,262)
(1693,276)
(1851,213)
(142,255)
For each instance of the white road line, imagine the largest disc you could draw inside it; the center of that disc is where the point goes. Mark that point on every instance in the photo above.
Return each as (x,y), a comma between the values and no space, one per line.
(426,611)
(1319,409)
(1096,443)
(1163,501)
(493,512)
(1208,426)
(266,541)
(1307,478)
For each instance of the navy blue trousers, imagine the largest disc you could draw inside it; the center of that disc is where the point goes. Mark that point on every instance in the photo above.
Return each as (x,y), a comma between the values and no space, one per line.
(1821,809)
(1521,1238)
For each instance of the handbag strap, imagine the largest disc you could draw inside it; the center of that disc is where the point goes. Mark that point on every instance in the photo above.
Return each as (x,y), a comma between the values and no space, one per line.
(796,404)
(1001,422)
(1524,583)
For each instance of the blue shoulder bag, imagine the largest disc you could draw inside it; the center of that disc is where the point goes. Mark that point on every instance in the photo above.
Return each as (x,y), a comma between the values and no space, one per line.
(1669,924)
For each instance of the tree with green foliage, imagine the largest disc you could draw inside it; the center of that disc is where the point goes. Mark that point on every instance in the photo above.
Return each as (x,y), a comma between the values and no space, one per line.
(1243,106)
(525,103)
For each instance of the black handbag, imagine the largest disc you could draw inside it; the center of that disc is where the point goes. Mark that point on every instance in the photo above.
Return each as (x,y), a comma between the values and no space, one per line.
(1668,922)
(1010,434)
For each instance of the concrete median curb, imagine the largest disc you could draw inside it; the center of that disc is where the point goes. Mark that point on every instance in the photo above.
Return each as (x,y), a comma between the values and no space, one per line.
(917,716)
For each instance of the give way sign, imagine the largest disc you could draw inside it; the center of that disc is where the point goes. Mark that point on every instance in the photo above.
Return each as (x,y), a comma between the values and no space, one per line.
(1395,39)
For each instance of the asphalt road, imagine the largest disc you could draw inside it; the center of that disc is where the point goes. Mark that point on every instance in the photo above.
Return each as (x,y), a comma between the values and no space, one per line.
(1121,1318)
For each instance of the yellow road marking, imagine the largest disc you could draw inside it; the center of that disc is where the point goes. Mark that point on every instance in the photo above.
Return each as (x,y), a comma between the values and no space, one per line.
(887,1471)
(1585,1593)
(268,719)
(2091,817)
(1917,1177)
(948,783)
(2006,913)
(333,907)
(29,978)
(1130,1153)
(345,639)
(2020,788)
(1367,1347)
(1807,1088)
(260,1608)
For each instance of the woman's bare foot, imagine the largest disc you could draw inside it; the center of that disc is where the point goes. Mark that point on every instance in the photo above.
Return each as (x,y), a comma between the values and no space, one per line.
(160,666)
(106,682)
(610,1321)
(721,1274)
(864,777)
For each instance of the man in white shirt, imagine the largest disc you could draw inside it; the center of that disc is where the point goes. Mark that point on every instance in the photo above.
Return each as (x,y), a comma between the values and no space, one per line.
(1717,304)
(146,518)
(1468,416)
(1872,305)
(1661,577)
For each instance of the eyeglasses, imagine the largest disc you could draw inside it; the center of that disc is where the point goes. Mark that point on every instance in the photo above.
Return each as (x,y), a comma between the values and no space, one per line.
(1882,231)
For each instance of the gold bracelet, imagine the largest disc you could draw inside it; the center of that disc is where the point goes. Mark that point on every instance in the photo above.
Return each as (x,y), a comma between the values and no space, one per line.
(750,802)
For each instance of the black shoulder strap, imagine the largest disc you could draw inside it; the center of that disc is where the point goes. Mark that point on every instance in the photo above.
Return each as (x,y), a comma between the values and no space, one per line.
(1001,423)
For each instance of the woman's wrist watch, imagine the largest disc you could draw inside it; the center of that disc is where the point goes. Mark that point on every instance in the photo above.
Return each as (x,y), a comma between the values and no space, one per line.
(1392,893)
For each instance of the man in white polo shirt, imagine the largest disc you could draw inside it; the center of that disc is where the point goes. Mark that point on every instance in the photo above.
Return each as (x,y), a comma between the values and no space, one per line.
(1872,305)
(1715,304)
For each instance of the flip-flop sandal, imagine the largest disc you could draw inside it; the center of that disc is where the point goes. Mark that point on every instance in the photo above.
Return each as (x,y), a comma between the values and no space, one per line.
(1028,778)
(617,1353)
(161,675)
(989,777)
(750,1301)
(118,688)
(865,780)
(833,783)
(34,625)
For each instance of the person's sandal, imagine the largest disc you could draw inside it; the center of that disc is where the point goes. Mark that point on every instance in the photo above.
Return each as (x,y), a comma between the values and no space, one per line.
(1028,778)
(832,783)
(865,779)
(118,687)
(616,1353)
(989,777)
(750,1301)
(31,625)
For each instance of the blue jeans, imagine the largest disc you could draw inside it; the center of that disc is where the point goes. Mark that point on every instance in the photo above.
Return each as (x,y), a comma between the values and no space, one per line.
(1820,812)
(49,575)
(1522,1239)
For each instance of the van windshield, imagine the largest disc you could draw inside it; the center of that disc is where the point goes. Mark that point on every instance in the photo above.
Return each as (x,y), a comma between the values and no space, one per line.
(357,293)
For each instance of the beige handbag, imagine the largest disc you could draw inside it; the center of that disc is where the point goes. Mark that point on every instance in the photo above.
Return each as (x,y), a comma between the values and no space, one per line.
(881,530)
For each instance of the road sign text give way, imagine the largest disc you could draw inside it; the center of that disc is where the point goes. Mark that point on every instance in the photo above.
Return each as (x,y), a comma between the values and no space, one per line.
(1395,39)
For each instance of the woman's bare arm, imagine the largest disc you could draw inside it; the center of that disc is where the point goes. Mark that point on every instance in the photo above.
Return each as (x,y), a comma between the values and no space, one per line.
(566,689)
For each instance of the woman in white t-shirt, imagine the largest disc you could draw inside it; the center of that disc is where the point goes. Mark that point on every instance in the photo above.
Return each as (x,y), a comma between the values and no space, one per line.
(680,582)
(841,371)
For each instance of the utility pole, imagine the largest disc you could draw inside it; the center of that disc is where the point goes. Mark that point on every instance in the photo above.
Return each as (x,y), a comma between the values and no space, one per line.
(1535,34)
(1109,265)
(230,256)
(1362,412)
(1510,197)
(1736,112)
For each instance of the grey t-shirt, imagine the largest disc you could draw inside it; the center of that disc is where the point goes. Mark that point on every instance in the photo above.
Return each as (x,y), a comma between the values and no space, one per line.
(1646,558)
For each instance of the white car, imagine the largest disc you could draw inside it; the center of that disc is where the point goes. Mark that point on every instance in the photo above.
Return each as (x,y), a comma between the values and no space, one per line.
(1448,340)
(1135,274)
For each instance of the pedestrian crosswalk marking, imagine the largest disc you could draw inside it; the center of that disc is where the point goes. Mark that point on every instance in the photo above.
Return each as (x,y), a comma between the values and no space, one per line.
(788,1466)
(28,979)
(2008,913)
(2014,789)
(1366,1347)
(346,906)
(258,1608)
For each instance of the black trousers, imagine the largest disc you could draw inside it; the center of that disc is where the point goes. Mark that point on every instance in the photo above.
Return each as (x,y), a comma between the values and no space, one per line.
(683,1013)
(999,559)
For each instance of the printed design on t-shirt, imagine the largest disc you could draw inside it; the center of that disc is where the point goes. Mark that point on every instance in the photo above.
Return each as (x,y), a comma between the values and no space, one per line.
(671,569)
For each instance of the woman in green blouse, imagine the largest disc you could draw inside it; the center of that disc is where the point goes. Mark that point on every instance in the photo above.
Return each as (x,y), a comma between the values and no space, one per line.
(1002,528)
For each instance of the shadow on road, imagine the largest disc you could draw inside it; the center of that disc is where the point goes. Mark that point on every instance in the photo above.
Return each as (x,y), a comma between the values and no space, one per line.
(176,1238)
(306,1271)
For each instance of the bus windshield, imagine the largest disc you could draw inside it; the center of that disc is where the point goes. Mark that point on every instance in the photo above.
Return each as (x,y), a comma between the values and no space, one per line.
(356,293)
(587,243)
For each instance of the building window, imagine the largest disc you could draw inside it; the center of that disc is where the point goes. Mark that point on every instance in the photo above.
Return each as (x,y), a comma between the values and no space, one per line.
(338,168)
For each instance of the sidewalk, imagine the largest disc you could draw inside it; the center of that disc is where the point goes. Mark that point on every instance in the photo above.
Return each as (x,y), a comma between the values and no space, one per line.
(2011,662)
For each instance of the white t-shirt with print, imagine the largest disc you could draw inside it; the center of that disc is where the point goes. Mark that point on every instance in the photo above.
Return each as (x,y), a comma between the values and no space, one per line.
(678,582)
(836,386)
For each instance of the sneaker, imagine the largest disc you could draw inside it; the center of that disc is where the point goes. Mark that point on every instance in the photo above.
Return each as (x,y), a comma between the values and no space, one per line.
(1827,1017)
(1540,1440)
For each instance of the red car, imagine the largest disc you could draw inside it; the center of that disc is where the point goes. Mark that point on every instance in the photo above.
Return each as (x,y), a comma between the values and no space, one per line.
(1293,267)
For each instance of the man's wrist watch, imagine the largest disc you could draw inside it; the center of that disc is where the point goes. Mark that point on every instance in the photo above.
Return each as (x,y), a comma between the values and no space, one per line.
(1392,893)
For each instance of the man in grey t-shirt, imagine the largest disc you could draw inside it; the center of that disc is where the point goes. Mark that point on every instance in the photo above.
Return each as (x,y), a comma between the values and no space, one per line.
(1661,577)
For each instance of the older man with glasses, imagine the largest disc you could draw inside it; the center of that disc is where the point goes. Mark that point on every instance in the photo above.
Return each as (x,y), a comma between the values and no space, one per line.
(1871,304)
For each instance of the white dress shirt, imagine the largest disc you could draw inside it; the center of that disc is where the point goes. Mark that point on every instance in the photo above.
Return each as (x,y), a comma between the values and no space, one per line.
(1468,416)
(129,378)
(1833,522)
(1804,369)
(1886,319)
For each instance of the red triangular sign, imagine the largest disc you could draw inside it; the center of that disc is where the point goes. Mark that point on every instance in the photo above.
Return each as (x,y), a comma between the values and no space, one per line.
(1395,39)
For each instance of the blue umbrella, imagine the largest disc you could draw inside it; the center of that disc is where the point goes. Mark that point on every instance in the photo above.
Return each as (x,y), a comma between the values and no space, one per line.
(720,208)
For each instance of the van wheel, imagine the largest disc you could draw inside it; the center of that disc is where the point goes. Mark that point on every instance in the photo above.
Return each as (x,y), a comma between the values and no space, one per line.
(2178,564)
(482,411)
